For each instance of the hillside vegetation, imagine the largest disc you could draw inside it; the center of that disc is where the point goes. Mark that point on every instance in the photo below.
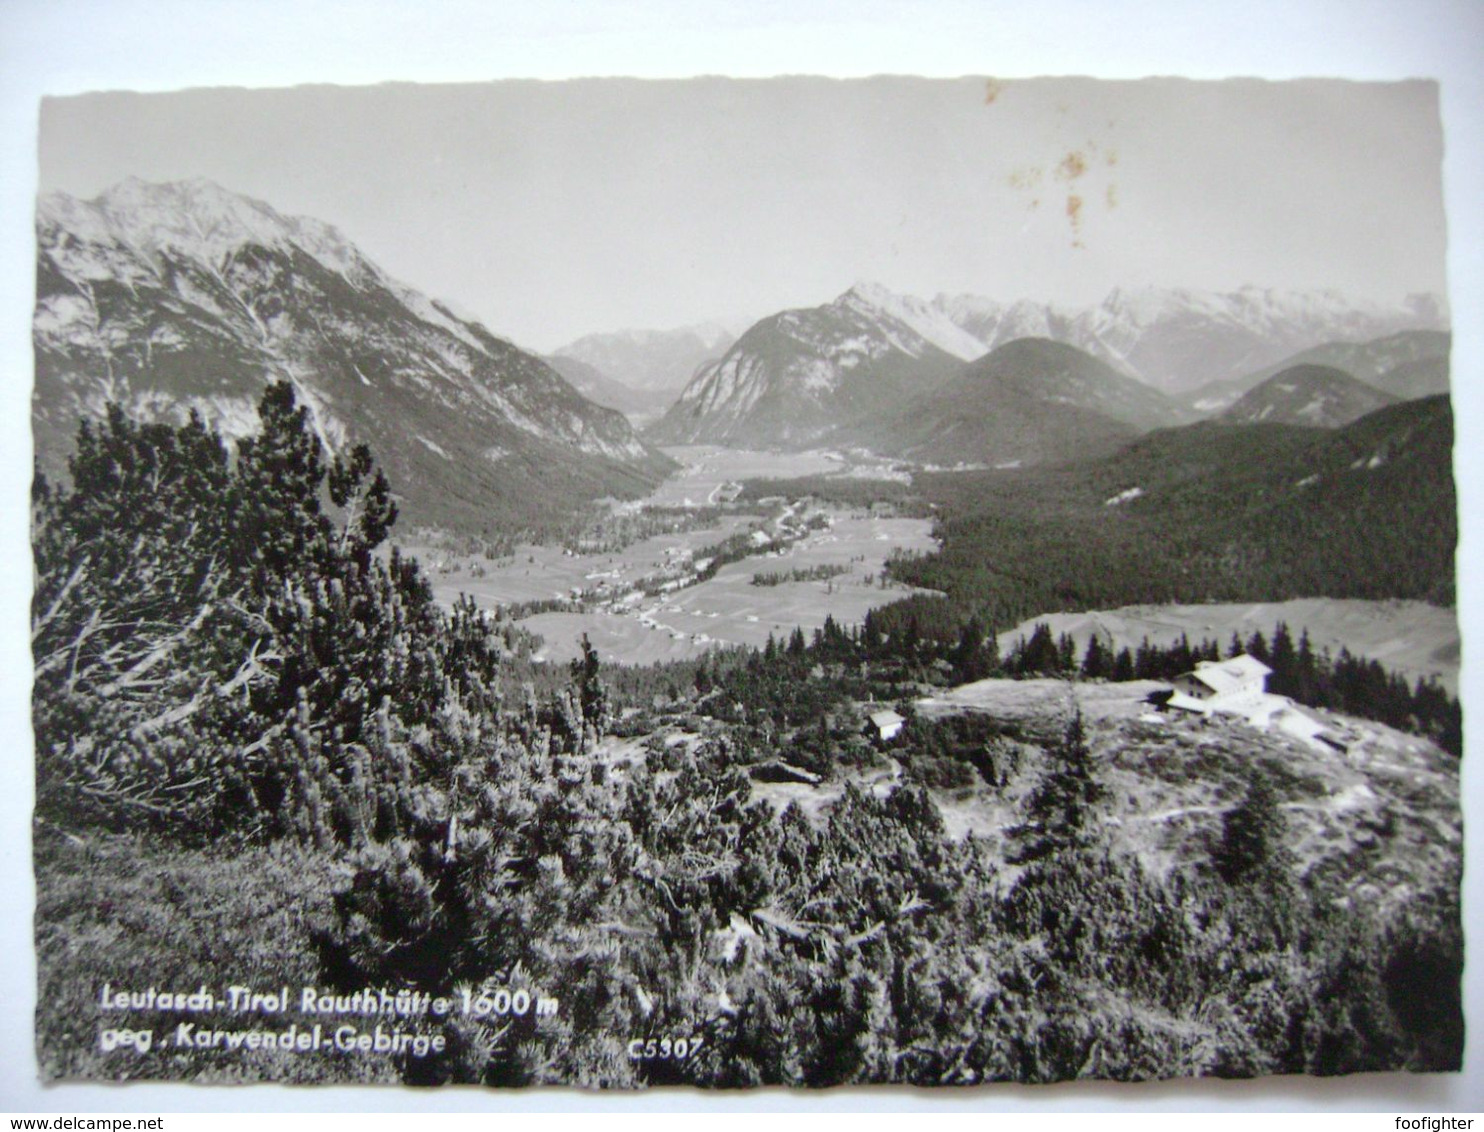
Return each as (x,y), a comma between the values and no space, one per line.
(243,713)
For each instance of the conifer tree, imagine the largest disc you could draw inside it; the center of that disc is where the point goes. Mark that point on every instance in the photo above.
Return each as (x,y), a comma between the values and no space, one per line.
(592,696)
(970,659)
(796,643)
(1251,834)
(1059,808)
(1066,654)
(1097,663)
(1040,653)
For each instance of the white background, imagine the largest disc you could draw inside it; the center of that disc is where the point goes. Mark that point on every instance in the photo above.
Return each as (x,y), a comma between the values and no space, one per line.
(63,47)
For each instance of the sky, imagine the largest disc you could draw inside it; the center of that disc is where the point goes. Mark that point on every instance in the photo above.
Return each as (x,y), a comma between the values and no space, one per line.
(550,210)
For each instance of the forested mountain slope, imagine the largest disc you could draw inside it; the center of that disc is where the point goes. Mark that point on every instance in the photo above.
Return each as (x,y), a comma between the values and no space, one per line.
(1312,395)
(1208,512)
(1031,401)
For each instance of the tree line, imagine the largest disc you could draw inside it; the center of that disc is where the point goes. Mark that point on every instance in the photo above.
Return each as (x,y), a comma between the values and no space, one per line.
(1344,683)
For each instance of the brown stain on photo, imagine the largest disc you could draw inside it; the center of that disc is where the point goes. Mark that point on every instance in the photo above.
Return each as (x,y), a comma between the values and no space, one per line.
(1072,166)
(1074,217)
(992,89)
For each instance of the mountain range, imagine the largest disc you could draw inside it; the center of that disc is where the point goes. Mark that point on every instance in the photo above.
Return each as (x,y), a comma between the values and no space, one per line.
(1177,339)
(1407,364)
(181,296)
(639,372)
(184,296)
(891,372)
(650,360)
(793,377)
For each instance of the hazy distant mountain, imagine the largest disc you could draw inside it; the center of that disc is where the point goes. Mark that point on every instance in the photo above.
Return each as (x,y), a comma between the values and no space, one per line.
(640,405)
(1030,401)
(179,296)
(1178,339)
(1318,396)
(1408,364)
(1422,377)
(792,378)
(650,360)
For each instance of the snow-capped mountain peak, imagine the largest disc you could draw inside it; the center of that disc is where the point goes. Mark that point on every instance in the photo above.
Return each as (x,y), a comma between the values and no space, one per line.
(199,219)
(925,319)
(795,376)
(184,296)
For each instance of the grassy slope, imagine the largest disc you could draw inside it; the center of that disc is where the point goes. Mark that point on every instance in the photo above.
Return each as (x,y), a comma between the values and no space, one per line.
(1380,823)
(135,914)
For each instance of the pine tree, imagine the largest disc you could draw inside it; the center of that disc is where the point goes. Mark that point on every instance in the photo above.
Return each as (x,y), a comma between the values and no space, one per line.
(1040,653)
(1097,662)
(278,522)
(796,645)
(364,495)
(1066,653)
(592,696)
(1251,834)
(1306,673)
(1257,647)
(1283,660)
(1147,661)
(970,660)
(1060,807)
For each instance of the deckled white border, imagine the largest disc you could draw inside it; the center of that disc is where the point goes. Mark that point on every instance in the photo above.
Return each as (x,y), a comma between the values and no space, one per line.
(71,46)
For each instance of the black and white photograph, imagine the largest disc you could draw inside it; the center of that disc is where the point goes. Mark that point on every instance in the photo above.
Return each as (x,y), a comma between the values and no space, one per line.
(733,582)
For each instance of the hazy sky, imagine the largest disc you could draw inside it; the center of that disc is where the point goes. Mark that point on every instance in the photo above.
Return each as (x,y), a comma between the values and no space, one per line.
(551,210)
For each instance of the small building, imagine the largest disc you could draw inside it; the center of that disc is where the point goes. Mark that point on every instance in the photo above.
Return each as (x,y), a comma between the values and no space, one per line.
(1239,687)
(1179,701)
(1226,683)
(886,725)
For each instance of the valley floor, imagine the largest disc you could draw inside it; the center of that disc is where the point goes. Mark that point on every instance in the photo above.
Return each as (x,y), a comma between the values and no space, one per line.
(627,627)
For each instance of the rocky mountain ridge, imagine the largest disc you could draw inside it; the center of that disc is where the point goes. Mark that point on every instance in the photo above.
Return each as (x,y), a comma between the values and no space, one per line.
(185,296)
(793,379)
